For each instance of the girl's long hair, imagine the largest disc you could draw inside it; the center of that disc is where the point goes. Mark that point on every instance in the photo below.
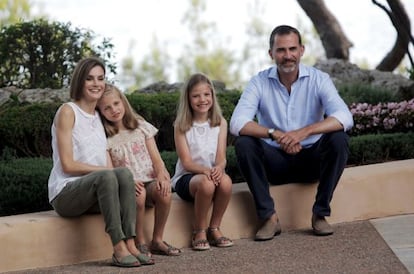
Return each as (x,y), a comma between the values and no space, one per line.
(130,120)
(184,119)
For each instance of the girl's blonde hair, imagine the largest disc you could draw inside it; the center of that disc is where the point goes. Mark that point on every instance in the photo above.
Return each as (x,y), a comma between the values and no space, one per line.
(184,119)
(131,118)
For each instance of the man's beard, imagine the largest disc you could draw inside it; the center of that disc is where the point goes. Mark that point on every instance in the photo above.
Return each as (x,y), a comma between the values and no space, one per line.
(287,69)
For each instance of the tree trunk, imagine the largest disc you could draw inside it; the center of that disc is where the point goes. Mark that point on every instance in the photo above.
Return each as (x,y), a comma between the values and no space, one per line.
(401,22)
(334,40)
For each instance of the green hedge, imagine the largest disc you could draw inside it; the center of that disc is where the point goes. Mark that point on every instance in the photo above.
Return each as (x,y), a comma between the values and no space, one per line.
(23,184)
(26,128)
(358,93)
(370,149)
(24,181)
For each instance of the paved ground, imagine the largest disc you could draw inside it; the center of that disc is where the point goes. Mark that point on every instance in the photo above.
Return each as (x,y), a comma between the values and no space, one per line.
(356,247)
(398,233)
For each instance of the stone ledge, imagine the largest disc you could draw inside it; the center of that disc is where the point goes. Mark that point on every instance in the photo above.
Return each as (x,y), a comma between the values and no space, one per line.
(44,239)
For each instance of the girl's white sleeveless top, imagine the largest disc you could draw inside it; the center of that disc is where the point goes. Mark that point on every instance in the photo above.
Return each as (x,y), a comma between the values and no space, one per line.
(202,141)
(88,143)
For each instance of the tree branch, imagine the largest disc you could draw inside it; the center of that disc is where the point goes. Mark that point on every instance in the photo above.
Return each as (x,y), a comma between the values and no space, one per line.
(401,23)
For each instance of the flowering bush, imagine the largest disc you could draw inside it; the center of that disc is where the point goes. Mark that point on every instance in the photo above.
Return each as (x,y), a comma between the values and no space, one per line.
(382,117)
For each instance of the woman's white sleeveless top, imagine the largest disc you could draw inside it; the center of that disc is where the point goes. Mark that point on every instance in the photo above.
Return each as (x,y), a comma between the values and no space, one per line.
(88,144)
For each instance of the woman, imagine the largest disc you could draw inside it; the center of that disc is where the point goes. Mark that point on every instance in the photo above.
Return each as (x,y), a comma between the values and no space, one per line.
(82,179)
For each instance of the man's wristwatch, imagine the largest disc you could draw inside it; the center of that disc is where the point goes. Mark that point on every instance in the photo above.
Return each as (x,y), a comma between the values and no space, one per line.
(270,133)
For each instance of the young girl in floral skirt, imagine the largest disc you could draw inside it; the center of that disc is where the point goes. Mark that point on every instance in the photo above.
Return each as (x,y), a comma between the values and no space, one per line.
(131,144)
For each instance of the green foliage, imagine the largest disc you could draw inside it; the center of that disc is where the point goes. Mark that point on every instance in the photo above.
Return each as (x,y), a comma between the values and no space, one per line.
(232,167)
(150,70)
(26,128)
(8,154)
(253,52)
(411,73)
(23,184)
(13,11)
(170,159)
(39,54)
(228,100)
(160,110)
(206,53)
(358,93)
(217,65)
(372,148)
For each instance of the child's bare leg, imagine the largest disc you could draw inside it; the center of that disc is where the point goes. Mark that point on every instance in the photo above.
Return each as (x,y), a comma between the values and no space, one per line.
(221,201)
(162,206)
(140,201)
(202,190)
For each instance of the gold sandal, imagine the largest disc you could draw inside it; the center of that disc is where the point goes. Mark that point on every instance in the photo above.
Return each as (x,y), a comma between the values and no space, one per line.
(170,251)
(219,242)
(201,244)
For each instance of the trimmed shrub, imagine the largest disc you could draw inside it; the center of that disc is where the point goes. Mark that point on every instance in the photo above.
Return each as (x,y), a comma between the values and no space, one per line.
(170,159)
(359,93)
(158,109)
(372,148)
(23,184)
(26,129)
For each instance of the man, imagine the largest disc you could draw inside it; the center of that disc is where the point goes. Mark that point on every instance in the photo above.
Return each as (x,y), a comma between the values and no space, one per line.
(292,125)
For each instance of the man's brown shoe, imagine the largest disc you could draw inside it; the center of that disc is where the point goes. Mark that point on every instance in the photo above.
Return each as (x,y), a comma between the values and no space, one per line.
(320,226)
(268,230)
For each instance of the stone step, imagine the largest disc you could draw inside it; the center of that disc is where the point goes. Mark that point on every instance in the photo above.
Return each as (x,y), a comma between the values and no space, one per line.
(44,239)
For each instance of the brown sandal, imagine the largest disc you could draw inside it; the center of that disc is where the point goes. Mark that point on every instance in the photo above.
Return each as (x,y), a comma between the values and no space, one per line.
(219,242)
(201,244)
(171,250)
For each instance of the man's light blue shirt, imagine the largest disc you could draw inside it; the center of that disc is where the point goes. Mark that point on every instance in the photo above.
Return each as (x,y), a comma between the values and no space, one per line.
(313,95)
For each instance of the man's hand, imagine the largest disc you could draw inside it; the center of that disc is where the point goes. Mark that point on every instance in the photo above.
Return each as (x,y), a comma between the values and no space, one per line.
(290,141)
